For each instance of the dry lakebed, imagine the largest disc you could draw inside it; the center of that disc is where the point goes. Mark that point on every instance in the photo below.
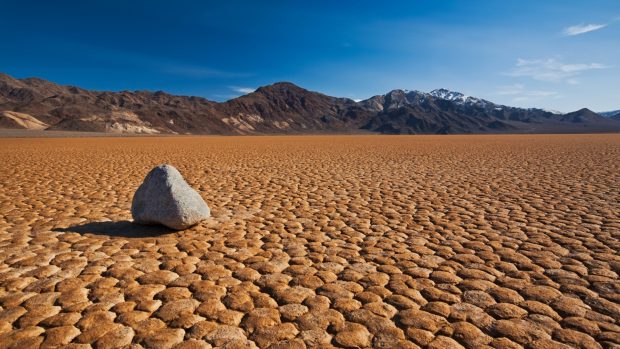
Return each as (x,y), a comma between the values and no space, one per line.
(494,241)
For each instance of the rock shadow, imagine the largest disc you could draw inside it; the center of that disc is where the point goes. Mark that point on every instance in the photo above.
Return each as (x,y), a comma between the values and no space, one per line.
(126,229)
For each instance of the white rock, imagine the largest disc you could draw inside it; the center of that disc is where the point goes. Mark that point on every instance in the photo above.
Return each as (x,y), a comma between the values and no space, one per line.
(165,198)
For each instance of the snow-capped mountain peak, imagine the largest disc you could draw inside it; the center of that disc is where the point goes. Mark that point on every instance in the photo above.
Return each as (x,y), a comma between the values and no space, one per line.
(447,94)
(458,97)
(552,111)
(609,113)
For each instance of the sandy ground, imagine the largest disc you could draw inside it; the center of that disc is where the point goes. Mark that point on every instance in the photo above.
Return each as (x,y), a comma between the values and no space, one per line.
(319,241)
(23,133)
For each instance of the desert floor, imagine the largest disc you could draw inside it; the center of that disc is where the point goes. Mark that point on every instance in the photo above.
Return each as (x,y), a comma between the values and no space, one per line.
(317,241)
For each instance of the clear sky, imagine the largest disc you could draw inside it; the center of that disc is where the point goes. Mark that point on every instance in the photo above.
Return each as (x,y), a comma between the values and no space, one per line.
(555,54)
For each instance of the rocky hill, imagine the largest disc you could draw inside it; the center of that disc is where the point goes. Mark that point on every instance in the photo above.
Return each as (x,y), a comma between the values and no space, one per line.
(281,108)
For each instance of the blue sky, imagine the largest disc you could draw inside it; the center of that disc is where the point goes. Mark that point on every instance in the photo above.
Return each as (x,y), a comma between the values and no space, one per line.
(555,54)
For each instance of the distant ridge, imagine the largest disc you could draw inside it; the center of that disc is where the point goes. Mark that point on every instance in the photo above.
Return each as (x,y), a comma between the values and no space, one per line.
(610,113)
(583,116)
(280,108)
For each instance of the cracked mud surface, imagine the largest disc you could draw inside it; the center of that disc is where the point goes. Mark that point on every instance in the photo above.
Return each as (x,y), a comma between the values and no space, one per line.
(326,241)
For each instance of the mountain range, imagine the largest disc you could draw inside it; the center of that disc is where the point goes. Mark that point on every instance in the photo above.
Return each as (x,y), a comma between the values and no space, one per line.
(280,108)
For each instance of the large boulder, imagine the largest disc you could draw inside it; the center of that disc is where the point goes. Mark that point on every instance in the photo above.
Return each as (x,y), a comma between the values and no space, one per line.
(165,198)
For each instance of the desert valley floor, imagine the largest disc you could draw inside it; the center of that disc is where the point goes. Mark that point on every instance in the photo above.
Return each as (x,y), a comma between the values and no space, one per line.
(315,241)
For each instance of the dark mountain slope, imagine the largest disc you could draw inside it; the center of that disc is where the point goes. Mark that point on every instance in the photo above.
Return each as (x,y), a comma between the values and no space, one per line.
(285,107)
(581,116)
